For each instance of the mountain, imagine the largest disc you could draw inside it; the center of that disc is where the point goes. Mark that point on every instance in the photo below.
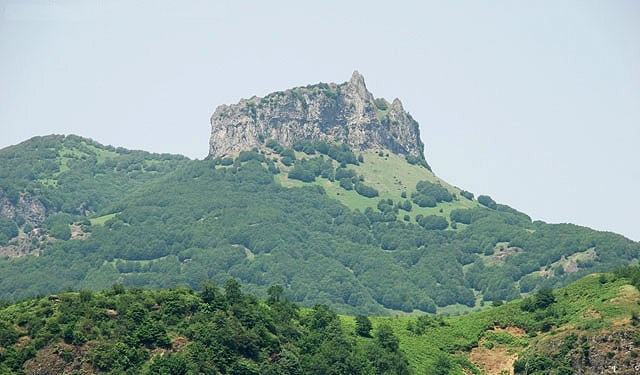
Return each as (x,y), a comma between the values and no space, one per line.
(347,113)
(361,227)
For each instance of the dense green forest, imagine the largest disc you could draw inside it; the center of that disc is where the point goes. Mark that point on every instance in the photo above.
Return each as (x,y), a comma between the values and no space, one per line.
(181,331)
(589,326)
(78,215)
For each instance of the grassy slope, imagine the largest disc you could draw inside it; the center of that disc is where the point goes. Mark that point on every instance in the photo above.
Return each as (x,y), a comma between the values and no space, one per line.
(588,307)
(390,175)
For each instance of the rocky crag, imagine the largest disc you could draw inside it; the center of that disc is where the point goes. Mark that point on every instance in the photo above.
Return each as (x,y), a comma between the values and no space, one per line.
(23,209)
(30,209)
(346,113)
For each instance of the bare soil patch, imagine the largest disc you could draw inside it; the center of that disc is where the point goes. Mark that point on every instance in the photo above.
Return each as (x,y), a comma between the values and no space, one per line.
(493,361)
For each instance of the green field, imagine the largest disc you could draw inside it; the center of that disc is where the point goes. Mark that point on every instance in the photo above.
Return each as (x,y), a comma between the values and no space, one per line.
(100,220)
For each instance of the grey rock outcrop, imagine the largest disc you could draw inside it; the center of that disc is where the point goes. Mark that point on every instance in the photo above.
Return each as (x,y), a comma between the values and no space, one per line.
(30,208)
(345,112)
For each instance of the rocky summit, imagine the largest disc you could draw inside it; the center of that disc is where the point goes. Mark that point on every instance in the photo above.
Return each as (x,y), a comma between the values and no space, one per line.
(346,113)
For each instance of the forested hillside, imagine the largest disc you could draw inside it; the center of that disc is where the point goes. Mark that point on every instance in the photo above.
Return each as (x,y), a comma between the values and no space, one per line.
(361,232)
(589,326)
(179,331)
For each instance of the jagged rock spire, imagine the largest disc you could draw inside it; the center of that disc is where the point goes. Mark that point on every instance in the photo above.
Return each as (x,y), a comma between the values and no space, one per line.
(357,81)
(397,105)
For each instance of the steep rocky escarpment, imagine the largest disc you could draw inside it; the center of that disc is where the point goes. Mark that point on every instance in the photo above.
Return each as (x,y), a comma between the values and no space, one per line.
(346,113)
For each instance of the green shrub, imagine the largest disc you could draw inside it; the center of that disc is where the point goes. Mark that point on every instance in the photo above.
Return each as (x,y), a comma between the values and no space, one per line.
(486,201)
(468,215)
(467,194)
(289,153)
(287,161)
(365,190)
(429,194)
(423,200)
(432,222)
(417,160)
(381,104)
(342,173)
(346,183)
(226,161)
(363,326)
(405,205)
(251,155)
(298,172)
(60,231)
(8,230)
(275,146)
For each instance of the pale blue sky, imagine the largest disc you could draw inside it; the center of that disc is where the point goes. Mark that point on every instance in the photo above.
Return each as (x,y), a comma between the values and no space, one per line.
(535,103)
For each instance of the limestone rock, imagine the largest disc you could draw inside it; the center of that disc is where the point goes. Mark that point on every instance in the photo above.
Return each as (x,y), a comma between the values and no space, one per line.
(345,112)
(30,208)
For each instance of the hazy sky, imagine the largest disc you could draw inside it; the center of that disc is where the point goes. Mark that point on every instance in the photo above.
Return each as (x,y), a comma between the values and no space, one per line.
(535,103)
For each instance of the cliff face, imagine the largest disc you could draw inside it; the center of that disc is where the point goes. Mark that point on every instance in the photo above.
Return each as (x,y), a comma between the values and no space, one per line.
(345,112)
